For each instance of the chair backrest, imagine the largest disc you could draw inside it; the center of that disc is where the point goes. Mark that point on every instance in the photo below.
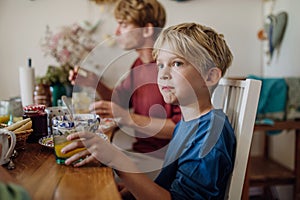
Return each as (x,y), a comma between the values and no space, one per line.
(239,100)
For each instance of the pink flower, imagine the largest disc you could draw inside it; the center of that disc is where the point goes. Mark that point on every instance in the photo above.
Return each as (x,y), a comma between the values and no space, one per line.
(56,38)
(69,45)
(64,56)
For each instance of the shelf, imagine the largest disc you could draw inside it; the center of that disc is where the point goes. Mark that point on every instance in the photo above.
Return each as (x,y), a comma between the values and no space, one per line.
(262,171)
(280,125)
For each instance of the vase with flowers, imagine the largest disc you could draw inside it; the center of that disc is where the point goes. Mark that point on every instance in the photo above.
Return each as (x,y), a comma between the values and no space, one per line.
(68,47)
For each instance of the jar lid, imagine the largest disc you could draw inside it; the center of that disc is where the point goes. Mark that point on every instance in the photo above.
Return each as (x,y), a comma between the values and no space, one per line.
(34,108)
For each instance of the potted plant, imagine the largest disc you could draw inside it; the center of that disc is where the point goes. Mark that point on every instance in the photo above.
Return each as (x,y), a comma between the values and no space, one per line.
(56,81)
(68,47)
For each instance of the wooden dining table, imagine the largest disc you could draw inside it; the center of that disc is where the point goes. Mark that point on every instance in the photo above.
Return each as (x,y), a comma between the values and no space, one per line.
(37,171)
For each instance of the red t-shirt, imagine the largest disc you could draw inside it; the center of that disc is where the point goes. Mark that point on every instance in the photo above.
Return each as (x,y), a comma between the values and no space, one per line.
(139,91)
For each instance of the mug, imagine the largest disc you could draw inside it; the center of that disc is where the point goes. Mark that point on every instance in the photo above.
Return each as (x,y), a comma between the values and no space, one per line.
(6,146)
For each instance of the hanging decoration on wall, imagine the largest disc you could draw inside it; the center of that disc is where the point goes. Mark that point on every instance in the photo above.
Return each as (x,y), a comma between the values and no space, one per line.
(273,31)
(275,27)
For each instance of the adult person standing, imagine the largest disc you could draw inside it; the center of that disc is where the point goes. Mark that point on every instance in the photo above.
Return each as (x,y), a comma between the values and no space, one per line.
(153,120)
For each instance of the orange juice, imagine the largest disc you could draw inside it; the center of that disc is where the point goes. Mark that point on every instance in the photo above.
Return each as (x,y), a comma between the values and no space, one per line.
(59,143)
(58,148)
(4,118)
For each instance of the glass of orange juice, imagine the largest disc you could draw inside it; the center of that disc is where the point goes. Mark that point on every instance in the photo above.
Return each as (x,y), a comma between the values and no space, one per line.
(62,126)
(60,140)
(4,111)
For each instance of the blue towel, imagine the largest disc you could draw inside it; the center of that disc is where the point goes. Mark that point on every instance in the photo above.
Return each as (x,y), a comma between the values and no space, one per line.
(272,99)
(293,98)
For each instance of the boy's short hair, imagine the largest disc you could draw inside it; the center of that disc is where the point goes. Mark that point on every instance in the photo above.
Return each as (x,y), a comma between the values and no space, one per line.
(141,12)
(200,45)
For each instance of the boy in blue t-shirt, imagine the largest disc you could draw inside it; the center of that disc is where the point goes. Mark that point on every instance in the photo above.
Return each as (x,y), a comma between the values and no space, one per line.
(191,59)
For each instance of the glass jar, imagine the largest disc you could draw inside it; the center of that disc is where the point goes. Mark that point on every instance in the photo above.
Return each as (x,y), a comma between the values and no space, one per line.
(42,94)
(38,117)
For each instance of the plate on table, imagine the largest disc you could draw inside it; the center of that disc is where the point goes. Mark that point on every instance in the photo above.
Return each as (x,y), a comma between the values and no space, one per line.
(47,141)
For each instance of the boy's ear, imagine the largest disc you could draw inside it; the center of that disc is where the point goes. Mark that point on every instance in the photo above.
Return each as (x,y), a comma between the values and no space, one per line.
(213,76)
(148,30)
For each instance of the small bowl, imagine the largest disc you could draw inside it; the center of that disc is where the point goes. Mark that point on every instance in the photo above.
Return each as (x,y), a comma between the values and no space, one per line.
(81,122)
(53,112)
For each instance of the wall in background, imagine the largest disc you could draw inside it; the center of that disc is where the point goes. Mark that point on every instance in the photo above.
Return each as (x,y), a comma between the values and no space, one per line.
(23,23)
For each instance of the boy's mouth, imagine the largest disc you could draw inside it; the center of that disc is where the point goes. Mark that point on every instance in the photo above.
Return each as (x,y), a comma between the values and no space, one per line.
(167,88)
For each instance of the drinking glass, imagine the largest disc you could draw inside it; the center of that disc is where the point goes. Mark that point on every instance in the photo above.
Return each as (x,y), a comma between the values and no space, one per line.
(81,102)
(4,111)
(60,141)
(65,125)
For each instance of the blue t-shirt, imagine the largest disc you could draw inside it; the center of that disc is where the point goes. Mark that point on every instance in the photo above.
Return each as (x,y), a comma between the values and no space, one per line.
(200,158)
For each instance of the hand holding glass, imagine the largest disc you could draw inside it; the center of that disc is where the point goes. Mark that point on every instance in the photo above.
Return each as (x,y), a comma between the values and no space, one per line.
(62,127)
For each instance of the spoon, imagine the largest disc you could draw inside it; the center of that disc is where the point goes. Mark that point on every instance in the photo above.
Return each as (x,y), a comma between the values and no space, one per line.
(68,104)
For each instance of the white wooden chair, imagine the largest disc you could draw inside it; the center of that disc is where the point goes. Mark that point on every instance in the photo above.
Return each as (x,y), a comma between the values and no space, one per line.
(239,100)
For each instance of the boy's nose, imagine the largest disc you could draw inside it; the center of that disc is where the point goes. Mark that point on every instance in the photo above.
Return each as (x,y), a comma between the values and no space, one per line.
(165,77)
(117,31)
(165,73)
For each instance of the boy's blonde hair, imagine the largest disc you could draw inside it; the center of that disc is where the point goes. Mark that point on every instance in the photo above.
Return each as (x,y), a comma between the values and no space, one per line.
(200,45)
(141,12)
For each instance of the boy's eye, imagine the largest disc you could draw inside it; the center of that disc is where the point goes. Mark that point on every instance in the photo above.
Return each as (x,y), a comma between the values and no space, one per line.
(124,25)
(160,66)
(177,64)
